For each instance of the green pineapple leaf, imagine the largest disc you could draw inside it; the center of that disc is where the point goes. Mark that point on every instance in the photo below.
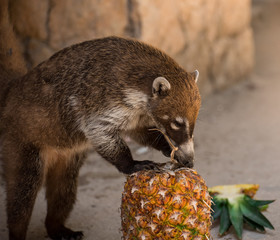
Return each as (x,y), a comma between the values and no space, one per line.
(217,208)
(236,218)
(258,203)
(263,208)
(253,224)
(225,220)
(254,214)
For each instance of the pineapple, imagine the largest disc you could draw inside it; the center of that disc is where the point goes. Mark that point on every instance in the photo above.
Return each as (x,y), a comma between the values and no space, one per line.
(166,204)
(234,204)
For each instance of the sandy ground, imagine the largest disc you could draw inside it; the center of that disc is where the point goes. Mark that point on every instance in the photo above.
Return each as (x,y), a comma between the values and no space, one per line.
(237,141)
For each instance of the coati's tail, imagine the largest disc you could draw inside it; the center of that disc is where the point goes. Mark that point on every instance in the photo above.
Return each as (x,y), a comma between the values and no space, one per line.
(12,62)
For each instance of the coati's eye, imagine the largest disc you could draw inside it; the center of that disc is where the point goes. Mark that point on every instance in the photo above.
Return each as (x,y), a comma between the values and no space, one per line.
(177,124)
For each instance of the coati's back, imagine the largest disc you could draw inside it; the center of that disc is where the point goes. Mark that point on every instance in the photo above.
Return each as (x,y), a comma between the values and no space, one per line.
(112,59)
(95,76)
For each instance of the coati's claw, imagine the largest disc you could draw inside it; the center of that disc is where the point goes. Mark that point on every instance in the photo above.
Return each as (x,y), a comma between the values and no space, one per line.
(67,234)
(77,236)
(145,165)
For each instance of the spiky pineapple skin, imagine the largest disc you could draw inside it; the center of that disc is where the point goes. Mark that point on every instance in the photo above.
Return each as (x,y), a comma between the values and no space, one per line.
(166,205)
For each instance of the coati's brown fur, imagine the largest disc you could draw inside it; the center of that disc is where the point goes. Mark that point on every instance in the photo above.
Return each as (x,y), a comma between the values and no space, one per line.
(87,96)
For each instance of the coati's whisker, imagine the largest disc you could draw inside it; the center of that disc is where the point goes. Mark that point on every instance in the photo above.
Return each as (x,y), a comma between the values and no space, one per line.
(174,149)
(157,139)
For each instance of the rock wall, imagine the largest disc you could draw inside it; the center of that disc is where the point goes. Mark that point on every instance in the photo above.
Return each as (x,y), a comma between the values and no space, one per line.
(214,36)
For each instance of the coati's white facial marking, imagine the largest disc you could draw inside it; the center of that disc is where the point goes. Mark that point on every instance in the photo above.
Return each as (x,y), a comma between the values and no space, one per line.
(188,127)
(165,117)
(179,123)
(174,126)
(187,147)
(179,120)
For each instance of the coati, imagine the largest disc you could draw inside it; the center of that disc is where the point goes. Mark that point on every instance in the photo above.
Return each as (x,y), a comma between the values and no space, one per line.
(86,96)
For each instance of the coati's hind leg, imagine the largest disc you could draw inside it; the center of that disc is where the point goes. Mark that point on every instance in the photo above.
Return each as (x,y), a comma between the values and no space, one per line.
(61,189)
(23,172)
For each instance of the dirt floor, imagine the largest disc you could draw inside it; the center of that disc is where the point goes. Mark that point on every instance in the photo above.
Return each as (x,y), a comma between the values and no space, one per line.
(237,141)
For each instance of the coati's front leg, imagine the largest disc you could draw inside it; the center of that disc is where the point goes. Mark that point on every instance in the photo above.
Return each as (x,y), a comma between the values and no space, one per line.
(61,189)
(114,149)
(23,172)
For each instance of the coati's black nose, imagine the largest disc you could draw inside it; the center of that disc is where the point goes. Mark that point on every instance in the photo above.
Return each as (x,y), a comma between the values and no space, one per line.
(189,163)
(185,154)
(185,160)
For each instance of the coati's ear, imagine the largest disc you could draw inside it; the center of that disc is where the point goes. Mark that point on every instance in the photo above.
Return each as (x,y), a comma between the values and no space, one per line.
(196,75)
(161,86)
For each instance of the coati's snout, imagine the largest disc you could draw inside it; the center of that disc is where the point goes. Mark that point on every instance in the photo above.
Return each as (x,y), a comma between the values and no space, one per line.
(185,153)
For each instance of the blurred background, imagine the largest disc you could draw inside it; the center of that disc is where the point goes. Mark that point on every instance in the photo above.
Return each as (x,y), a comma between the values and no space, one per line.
(215,37)
(235,45)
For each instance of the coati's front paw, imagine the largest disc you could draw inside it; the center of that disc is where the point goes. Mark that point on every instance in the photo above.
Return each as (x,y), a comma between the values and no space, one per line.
(65,234)
(144,165)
